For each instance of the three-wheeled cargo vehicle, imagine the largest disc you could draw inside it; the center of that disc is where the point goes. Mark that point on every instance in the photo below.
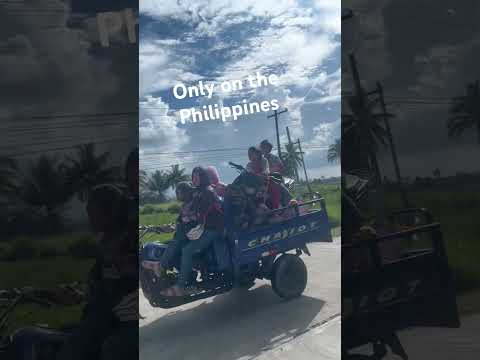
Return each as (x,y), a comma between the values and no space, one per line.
(409,287)
(270,252)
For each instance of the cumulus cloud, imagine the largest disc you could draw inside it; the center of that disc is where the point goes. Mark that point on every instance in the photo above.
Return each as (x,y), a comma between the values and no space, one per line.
(219,40)
(158,128)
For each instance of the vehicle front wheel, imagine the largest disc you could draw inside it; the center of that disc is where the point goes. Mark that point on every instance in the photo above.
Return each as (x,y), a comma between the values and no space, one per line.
(289,276)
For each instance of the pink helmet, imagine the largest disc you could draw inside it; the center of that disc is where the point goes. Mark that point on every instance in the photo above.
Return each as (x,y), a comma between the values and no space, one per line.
(213,174)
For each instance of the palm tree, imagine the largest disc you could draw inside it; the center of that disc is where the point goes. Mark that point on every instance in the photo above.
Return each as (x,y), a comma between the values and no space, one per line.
(8,171)
(45,187)
(364,128)
(143,180)
(291,159)
(465,111)
(176,175)
(159,182)
(87,169)
(334,152)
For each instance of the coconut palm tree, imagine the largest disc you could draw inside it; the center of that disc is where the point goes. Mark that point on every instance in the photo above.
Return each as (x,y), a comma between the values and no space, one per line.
(87,169)
(364,128)
(176,175)
(45,187)
(291,159)
(465,112)
(143,179)
(8,171)
(334,151)
(159,182)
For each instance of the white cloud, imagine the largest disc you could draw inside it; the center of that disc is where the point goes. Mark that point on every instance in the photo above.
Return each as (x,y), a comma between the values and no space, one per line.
(158,129)
(291,40)
(160,68)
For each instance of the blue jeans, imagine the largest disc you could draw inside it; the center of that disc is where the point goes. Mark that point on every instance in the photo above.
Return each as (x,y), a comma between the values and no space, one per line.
(189,250)
(171,256)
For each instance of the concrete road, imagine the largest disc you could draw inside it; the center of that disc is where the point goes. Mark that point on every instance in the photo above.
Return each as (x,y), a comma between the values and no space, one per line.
(440,343)
(254,324)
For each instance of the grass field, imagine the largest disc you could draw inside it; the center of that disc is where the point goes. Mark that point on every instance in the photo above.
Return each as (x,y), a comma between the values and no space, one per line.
(161,216)
(48,266)
(458,214)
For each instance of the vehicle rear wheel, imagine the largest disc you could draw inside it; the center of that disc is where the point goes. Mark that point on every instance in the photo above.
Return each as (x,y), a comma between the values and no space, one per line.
(289,276)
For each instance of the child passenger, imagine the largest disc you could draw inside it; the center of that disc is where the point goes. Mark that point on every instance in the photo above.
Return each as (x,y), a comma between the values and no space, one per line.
(186,221)
(257,165)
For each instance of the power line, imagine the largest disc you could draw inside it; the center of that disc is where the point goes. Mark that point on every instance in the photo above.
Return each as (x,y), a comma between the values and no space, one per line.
(21,154)
(75,115)
(163,164)
(219,150)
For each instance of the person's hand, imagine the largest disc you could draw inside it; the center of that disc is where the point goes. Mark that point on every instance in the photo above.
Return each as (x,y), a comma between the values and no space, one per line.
(127,309)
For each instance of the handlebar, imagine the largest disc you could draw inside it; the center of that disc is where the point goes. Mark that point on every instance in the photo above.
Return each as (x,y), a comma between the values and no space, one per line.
(236,166)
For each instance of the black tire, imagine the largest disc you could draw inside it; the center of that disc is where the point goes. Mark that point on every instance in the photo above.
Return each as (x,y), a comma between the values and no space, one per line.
(289,276)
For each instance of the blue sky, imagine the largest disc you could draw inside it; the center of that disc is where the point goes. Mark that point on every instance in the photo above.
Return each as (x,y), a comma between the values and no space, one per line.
(217,40)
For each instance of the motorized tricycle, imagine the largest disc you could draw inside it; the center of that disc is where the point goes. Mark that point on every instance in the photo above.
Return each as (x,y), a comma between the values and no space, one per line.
(393,280)
(272,252)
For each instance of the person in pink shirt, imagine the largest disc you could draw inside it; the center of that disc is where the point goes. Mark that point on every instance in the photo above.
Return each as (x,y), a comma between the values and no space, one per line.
(215,182)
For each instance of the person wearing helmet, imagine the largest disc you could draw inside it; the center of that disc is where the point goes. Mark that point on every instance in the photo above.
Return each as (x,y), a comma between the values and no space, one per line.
(215,182)
(209,218)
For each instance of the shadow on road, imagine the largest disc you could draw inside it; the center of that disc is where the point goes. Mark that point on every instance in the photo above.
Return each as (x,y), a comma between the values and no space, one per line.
(240,324)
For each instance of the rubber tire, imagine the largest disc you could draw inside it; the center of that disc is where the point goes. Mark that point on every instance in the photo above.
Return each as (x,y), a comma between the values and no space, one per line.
(289,276)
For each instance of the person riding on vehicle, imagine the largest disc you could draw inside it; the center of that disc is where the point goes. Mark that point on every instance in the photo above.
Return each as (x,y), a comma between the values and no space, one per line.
(215,182)
(111,281)
(209,229)
(186,221)
(274,162)
(257,165)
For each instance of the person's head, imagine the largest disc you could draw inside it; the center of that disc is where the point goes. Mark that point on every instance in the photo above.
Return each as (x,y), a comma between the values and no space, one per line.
(184,191)
(254,154)
(213,174)
(107,208)
(200,177)
(266,147)
(132,172)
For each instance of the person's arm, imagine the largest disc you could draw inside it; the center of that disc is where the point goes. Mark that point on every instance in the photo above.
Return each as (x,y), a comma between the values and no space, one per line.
(265,167)
(205,203)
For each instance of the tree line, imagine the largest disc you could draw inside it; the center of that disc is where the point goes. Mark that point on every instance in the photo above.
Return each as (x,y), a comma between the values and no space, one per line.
(33,196)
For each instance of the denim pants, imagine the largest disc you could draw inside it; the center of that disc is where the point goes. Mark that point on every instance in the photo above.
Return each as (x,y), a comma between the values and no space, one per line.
(171,256)
(193,247)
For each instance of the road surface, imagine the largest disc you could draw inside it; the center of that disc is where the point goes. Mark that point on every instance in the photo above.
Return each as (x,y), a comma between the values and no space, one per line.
(253,324)
(440,343)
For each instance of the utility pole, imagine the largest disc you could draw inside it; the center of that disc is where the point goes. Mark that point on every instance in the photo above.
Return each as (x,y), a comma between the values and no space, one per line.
(356,76)
(392,146)
(291,144)
(304,168)
(275,115)
(361,96)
